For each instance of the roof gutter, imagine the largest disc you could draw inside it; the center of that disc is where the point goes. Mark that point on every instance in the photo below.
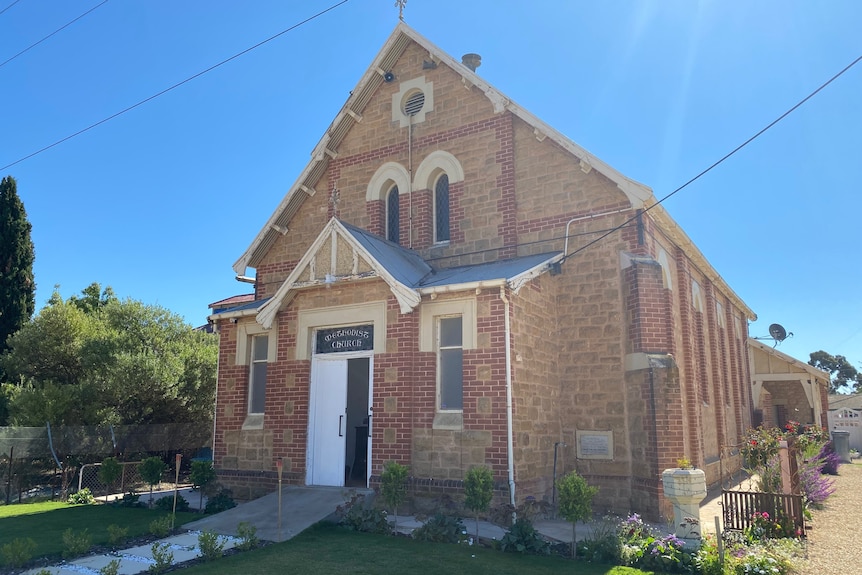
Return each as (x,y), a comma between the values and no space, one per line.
(450,288)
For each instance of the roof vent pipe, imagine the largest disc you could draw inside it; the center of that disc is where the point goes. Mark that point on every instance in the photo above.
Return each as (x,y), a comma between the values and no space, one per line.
(472,61)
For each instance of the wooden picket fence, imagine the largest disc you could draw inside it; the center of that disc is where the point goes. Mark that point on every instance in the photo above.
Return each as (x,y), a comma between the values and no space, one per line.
(739,506)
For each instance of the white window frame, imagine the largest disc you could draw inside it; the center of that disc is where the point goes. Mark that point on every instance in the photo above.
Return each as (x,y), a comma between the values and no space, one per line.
(252,380)
(440,348)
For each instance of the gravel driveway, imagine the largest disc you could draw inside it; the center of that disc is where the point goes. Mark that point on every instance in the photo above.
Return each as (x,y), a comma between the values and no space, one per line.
(835,539)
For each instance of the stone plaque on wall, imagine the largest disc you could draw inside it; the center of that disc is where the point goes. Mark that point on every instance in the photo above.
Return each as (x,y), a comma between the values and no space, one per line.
(595,444)
(354,338)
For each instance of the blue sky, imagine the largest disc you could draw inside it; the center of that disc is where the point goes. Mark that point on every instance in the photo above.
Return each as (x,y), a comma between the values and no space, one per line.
(160,201)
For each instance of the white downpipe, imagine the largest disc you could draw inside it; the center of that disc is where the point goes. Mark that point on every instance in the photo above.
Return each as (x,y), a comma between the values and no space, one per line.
(510,443)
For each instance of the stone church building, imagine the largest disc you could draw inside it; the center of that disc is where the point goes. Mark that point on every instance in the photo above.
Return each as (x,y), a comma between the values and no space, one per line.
(451,282)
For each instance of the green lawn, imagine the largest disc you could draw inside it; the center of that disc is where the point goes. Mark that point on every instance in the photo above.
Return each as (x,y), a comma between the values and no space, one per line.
(46,522)
(326,549)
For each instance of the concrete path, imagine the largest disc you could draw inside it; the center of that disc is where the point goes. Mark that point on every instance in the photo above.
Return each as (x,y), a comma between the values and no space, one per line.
(301,508)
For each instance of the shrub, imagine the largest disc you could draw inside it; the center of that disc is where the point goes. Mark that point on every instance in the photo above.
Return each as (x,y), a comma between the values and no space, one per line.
(76,543)
(117,534)
(167,503)
(130,499)
(82,497)
(151,470)
(109,471)
(161,526)
(576,501)
(18,552)
(221,501)
(706,559)
(522,537)
(762,526)
(247,534)
(478,491)
(773,557)
(645,549)
(441,529)
(830,459)
(163,557)
(603,544)
(112,568)
(393,486)
(201,476)
(354,515)
(211,545)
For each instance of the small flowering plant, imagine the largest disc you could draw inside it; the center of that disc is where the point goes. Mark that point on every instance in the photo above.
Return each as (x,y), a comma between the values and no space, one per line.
(763,526)
(642,547)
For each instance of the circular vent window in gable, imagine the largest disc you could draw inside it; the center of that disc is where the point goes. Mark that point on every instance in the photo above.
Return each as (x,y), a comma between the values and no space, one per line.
(413,103)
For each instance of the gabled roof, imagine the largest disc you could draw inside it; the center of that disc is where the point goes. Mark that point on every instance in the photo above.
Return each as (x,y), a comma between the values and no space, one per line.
(639,195)
(232,301)
(343,252)
(352,110)
(792,361)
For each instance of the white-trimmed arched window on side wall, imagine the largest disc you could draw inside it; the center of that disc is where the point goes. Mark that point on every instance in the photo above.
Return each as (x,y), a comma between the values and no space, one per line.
(441,209)
(393,215)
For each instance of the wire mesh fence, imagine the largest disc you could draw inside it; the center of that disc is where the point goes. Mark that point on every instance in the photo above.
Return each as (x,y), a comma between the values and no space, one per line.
(52,461)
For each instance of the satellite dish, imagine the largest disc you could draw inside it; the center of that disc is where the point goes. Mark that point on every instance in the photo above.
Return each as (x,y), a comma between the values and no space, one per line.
(777,332)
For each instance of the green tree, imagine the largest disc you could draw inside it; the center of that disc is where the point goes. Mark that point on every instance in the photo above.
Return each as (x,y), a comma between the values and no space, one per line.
(576,501)
(843,374)
(202,475)
(151,470)
(17,286)
(393,486)
(109,472)
(95,359)
(478,492)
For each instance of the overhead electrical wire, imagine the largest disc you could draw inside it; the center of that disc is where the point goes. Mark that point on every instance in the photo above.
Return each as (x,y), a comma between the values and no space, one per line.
(177,85)
(9,6)
(52,33)
(717,163)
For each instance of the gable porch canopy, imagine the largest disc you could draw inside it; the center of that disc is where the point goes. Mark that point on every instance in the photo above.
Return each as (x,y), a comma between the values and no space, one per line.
(343,253)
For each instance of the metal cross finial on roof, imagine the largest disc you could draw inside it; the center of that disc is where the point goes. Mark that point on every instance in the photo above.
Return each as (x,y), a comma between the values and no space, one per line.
(401,4)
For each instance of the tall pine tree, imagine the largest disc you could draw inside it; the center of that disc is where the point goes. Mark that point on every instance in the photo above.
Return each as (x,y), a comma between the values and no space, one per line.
(17,287)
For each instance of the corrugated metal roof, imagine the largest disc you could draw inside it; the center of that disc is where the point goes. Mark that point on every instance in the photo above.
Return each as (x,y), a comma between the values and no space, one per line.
(406,266)
(410,269)
(499,270)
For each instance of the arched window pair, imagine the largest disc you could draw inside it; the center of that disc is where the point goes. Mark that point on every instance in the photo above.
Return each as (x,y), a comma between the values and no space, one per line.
(437,172)
(441,211)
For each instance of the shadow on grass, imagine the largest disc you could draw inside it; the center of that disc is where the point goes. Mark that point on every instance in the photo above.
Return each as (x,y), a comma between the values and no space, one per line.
(327,548)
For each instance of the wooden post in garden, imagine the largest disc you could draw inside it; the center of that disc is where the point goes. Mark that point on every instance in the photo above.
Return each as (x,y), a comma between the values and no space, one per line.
(719,540)
(179,458)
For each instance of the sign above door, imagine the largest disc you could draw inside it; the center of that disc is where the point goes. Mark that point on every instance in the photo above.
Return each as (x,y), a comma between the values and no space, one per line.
(339,339)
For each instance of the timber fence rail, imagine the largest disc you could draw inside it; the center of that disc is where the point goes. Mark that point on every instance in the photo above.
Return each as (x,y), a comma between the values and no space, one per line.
(739,507)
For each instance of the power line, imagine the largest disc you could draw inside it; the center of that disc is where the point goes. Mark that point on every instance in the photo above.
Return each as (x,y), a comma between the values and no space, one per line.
(52,33)
(9,6)
(725,157)
(177,85)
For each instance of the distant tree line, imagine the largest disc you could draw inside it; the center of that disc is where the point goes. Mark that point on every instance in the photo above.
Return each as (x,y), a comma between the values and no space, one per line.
(92,359)
(844,377)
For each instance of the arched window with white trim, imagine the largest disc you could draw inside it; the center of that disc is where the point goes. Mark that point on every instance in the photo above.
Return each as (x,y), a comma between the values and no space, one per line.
(441,209)
(393,215)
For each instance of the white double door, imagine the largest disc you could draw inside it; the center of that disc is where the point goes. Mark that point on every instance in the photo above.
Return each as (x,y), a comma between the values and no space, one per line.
(334,421)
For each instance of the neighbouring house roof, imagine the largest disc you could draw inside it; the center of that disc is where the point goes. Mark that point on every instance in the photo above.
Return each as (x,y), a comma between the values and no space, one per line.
(845,401)
(249,308)
(232,301)
(639,195)
(348,253)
